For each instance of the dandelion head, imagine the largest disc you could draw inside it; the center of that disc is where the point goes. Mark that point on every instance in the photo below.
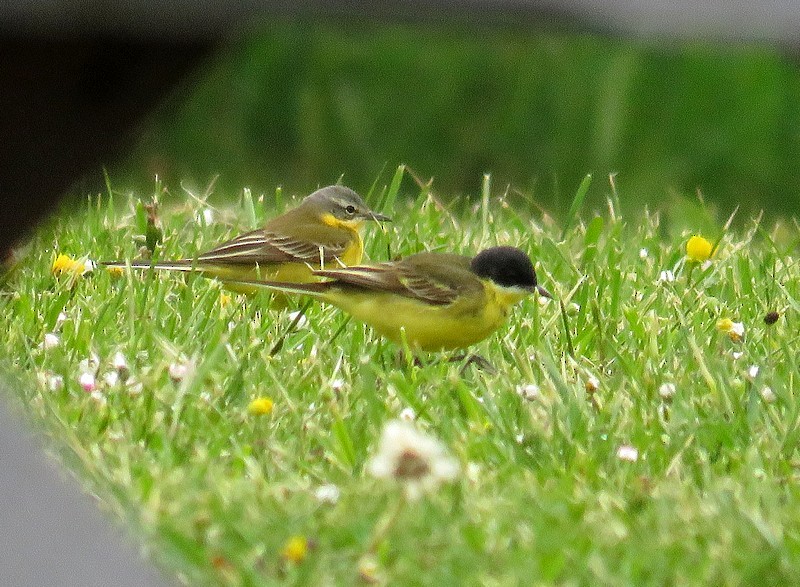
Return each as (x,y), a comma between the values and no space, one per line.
(115,271)
(698,249)
(295,549)
(734,330)
(66,265)
(261,406)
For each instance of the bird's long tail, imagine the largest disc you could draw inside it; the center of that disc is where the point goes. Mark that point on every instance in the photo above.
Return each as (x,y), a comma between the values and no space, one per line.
(314,289)
(177,265)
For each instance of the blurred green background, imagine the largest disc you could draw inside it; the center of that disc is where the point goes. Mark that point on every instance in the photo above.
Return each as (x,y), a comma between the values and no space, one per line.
(300,104)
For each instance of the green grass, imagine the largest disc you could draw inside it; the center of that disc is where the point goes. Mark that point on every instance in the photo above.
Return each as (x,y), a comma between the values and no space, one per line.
(215,492)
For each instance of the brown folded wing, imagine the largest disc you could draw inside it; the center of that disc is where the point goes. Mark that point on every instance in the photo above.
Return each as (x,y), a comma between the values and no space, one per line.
(261,247)
(436,285)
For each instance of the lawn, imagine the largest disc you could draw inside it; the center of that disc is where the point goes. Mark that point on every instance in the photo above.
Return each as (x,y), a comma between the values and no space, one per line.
(640,429)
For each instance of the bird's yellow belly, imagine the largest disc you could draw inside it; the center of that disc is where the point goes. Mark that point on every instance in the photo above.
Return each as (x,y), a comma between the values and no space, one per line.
(288,272)
(424,327)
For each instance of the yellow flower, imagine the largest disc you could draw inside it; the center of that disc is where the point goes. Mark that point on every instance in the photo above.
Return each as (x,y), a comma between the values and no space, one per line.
(295,549)
(224,299)
(115,271)
(64,264)
(261,406)
(698,249)
(735,330)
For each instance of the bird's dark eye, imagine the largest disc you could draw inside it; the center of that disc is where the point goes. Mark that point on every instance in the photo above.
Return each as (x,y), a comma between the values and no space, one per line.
(350,209)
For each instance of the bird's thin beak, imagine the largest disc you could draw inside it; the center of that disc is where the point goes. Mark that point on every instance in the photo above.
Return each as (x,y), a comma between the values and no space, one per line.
(377,217)
(543,292)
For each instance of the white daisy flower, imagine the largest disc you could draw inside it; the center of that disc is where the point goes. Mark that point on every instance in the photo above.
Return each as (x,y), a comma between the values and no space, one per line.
(51,340)
(178,371)
(415,460)
(628,453)
(111,378)
(328,493)
(666,391)
(120,365)
(529,391)
(87,381)
(408,414)
(55,382)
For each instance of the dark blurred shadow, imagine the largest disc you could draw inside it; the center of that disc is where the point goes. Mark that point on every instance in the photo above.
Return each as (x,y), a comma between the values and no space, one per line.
(73,105)
(52,535)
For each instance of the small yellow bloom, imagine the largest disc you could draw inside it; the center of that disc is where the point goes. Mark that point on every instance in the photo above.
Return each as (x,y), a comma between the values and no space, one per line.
(295,549)
(698,249)
(64,264)
(735,330)
(725,325)
(261,406)
(224,299)
(115,271)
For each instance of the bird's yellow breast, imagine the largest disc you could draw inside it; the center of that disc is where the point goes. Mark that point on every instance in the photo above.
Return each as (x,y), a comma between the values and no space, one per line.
(424,326)
(355,249)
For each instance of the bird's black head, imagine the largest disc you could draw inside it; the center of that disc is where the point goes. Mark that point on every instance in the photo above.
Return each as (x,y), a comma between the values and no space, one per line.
(508,267)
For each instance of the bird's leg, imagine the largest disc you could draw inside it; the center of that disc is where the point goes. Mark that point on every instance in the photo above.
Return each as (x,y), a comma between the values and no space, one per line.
(410,359)
(473,359)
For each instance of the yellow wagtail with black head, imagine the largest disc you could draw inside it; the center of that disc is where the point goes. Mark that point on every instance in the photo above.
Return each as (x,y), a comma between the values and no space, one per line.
(433,301)
(323,231)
